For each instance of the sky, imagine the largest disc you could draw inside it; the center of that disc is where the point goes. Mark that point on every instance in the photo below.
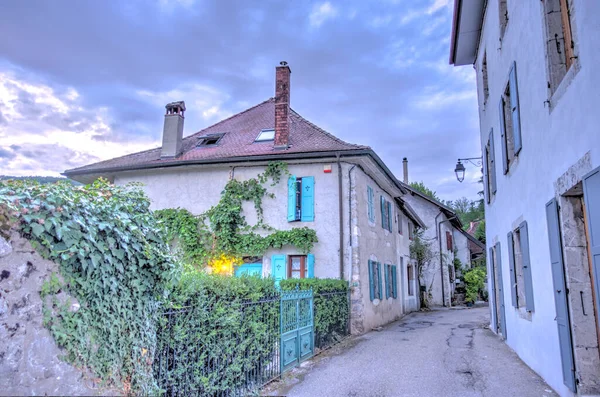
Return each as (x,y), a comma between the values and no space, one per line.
(87,80)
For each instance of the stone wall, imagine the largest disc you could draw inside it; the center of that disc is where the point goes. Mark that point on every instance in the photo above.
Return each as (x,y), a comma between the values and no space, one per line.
(30,361)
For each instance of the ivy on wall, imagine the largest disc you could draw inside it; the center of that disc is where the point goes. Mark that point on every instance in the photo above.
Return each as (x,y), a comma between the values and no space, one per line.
(223,229)
(113,260)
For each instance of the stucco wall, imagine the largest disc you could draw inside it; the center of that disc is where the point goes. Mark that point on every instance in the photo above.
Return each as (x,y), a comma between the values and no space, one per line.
(555,135)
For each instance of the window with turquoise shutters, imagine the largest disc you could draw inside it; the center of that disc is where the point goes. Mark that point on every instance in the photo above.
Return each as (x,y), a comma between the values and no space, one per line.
(386,214)
(301,199)
(374,280)
(370,204)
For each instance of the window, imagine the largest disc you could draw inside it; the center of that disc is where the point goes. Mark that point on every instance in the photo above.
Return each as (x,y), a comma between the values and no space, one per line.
(484,77)
(293,266)
(400,220)
(265,135)
(560,44)
(411,230)
(370,204)
(510,120)
(375,280)
(503,15)
(520,268)
(449,245)
(209,139)
(297,266)
(410,275)
(301,205)
(386,214)
(391,290)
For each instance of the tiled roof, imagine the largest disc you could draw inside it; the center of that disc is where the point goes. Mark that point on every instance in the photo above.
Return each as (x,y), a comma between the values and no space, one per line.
(240,132)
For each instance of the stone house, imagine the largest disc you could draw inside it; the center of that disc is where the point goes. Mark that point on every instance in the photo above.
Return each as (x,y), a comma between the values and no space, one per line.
(535,63)
(343,191)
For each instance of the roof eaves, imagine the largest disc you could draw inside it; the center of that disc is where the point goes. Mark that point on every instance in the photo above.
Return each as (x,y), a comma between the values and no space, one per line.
(473,239)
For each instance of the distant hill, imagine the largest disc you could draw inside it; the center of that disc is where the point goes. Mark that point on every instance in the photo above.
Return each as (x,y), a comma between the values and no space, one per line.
(40,179)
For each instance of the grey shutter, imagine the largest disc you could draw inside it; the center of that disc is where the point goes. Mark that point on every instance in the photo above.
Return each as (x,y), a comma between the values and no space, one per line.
(529,304)
(492,288)
(591,196)
(486,175)
(503,136)
(501,289)
(560,295)
(513,273)
(514,107)
(492,171)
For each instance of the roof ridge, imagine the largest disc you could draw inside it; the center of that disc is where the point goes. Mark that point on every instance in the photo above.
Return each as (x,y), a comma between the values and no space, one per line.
(335,138)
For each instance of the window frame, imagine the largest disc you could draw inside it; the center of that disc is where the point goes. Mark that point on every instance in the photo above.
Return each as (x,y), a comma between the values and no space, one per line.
(266,130)
(410,276)
(400,218)
(303,266)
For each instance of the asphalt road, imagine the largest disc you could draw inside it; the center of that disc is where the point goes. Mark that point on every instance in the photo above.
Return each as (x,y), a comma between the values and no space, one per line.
(437,353)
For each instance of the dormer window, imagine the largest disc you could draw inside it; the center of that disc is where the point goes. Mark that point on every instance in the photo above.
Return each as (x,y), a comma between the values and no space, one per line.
(265,135)
(209,140)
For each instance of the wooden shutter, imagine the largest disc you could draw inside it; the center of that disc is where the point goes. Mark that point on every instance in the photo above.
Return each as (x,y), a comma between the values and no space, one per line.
(513,273)
(567,34)
(378,267)
(278,268)
(514,107)
(500,289)
(308,199)
(560,295)
(291,213)
(503,136)
(395,281)
(383,222)
(372,279)
(591,197)
(371,206)
(389,217)
(486,175)
(386,271)
(492,171)
(310,266)
(529,304)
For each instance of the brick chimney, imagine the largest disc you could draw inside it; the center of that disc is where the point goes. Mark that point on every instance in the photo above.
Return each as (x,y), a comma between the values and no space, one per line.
(173,129)
(282,105)
(405,168)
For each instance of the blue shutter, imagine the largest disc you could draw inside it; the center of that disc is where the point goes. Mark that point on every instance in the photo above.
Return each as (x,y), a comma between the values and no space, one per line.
(378,267)
(308,199)
(513,273)
(492,171)
(310,265)
(382,211)
(514,107)
(389,212)
(395,281)
(386,270)
(503,136)
(249,269)
(278,268)
(371,207)
(529,305)
(291,213)
(371,279)
(560,295)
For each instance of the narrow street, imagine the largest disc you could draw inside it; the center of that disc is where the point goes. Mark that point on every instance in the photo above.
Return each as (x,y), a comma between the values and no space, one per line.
(437,353)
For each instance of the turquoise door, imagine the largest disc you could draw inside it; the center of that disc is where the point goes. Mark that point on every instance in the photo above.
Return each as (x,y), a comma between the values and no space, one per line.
(249,269)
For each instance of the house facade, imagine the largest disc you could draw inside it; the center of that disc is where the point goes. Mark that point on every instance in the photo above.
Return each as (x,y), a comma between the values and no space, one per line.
(342,191)
(537,78)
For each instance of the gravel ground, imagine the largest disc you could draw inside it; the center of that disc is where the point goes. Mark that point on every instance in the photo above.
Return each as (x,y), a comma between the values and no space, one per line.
(447,352)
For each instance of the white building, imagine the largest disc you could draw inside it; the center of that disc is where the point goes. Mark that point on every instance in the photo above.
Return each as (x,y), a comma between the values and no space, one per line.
(539,105)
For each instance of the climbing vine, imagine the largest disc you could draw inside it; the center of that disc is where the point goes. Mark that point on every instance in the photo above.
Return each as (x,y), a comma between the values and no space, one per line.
(224,231)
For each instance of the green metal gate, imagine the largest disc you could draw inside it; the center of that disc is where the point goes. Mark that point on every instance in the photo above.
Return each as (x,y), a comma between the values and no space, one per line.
(297,333)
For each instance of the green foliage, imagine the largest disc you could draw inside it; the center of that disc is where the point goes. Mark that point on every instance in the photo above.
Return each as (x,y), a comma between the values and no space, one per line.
(420,186)
(52,286)
(114,260)
(223,229)
(467,210)
(480,232)
(40,179)
(224,329)
(474,281)
(422,252)
(331,306)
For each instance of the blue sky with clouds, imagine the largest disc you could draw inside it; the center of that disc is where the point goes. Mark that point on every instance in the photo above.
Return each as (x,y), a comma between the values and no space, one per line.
(86,80)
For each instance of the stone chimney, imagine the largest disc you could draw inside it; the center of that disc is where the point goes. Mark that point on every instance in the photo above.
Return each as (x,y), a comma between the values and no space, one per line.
(405,167)
(282,105)
(173,130)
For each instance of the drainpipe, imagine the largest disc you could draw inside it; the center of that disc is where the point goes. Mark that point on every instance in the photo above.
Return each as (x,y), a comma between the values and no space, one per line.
(441,257)
(340,214)
(349,325)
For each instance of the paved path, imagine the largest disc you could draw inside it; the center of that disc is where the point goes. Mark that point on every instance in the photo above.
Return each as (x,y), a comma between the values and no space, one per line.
(437,353)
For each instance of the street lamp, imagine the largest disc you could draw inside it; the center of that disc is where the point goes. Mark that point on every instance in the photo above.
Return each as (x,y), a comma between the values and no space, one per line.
(460,167)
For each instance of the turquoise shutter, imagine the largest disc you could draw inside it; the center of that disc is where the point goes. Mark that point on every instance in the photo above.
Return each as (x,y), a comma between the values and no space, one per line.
(371,207)
(371,280)
(389,217)
(386,269)
(395,281)
(278,268)
(514,107)
(492,171)
(378,267)
(503,136)
(291,214)
(513,273)
(529,305)
(308,199)
(382,211)
(310,265)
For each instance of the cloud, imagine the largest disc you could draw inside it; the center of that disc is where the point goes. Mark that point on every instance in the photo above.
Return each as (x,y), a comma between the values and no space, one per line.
(321,13)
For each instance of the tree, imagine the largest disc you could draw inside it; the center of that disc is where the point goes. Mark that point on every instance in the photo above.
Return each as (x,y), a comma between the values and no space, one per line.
(420,187)
(480,232)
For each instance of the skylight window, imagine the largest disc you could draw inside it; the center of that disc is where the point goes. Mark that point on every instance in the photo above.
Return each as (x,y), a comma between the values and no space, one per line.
(265,135)
(209,140)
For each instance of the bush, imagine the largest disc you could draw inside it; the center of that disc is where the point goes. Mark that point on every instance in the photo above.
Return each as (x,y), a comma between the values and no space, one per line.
(474,281)
(113,259)
(331,311)
(223,331)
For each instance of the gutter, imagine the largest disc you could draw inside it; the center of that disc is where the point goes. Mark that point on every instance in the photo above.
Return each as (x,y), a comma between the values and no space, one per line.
(455,28)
